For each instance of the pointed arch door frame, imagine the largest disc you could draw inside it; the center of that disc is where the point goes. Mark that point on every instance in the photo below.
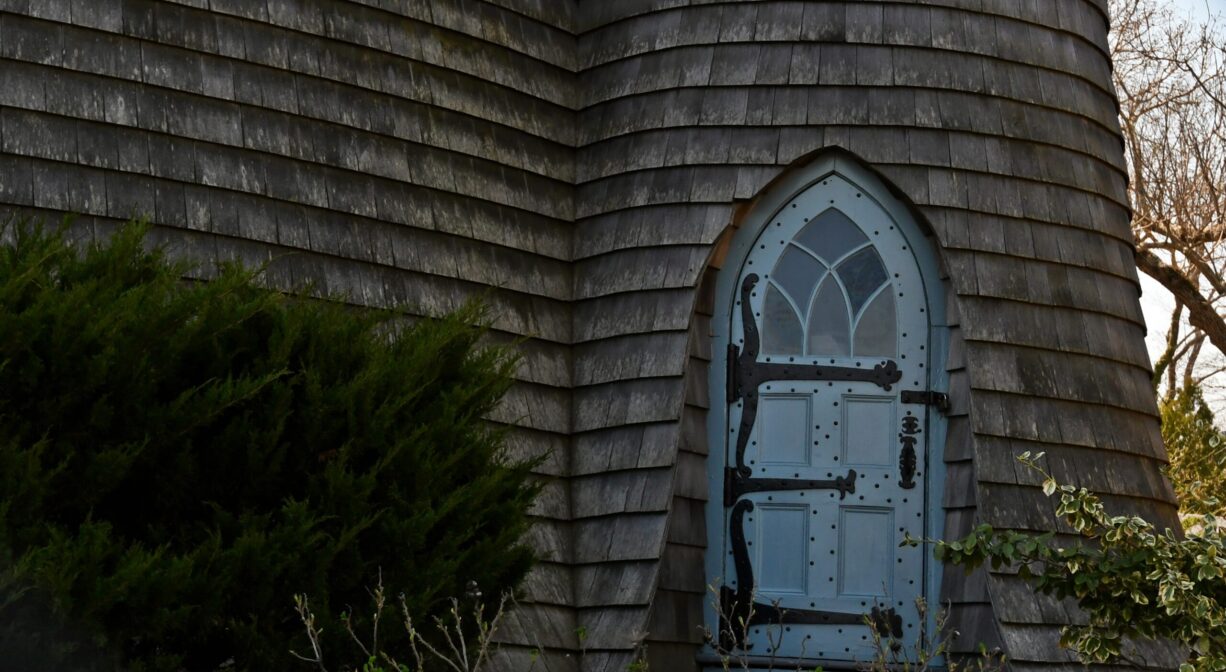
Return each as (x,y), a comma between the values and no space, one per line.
(729,287)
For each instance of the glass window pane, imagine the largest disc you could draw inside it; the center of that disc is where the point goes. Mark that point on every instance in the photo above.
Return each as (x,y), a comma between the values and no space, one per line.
(829,332)
(862,274)
(831,235)
(780,325)
(797,273)
(876,331)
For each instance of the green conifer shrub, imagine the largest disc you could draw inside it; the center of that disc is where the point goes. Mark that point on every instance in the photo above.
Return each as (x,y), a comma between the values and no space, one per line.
(178,459)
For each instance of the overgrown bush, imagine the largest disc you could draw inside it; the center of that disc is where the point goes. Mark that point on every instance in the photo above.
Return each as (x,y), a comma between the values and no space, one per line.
(1133,582)
(178,459)
(1197,449)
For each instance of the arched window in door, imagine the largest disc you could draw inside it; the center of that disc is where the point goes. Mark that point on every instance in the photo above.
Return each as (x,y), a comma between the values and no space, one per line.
(829,294)
(827,432)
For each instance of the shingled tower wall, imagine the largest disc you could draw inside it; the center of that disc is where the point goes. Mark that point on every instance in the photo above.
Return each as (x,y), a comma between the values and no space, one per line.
(997,119)
(584,158)
(395,152)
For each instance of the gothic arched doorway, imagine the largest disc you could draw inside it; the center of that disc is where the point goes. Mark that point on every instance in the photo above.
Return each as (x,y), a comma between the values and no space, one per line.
(831,320)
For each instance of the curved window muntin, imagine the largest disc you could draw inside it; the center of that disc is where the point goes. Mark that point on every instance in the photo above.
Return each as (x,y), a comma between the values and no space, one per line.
(804,308)
(838,261)
(884,233)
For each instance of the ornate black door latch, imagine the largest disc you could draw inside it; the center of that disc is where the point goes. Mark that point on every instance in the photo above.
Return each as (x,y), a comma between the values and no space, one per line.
(907,458)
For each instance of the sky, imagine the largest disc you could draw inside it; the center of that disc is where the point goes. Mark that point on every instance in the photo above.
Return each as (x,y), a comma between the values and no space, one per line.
(1201,8)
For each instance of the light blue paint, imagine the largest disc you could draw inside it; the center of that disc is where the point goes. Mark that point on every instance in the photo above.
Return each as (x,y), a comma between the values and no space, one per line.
(783,441)
(866,551)
(781,550)
(810,550)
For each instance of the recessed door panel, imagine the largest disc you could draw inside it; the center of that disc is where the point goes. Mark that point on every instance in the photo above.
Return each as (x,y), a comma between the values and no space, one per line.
(866,552)
(783,432)
(782,548)
(868,425)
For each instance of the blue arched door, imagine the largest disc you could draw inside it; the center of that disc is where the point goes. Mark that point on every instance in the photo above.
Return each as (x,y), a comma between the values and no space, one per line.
(826,418)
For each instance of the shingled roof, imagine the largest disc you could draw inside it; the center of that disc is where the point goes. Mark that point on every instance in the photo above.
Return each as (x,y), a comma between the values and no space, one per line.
(587,159)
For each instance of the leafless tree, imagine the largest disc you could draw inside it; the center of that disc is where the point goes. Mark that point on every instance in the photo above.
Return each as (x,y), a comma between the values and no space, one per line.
(1170,75)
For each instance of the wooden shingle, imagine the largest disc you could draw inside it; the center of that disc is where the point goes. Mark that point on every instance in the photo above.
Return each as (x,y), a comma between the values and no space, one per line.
(576,164)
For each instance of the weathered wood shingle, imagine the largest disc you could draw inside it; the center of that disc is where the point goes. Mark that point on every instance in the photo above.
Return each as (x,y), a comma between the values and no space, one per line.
(997,119)
(584,160)
(407,153)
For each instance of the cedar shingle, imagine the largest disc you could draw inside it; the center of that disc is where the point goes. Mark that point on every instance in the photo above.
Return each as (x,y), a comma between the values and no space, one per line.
(575,164)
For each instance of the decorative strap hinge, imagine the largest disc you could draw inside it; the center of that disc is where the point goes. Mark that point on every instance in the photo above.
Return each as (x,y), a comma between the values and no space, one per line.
(734,354)
(736,485)
(927,397)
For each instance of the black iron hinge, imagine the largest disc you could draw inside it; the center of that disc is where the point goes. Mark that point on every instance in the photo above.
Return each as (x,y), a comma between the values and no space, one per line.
(927,397)
(734,354)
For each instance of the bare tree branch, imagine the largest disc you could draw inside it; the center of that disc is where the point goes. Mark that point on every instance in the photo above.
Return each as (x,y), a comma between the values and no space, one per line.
(1170,77)
(1201,312)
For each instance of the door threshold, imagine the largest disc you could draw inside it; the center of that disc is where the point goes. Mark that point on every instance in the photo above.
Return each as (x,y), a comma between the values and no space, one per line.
(711,663)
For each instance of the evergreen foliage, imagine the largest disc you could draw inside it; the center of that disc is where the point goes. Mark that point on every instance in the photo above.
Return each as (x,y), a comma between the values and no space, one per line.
(178,459)
(1197,450)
